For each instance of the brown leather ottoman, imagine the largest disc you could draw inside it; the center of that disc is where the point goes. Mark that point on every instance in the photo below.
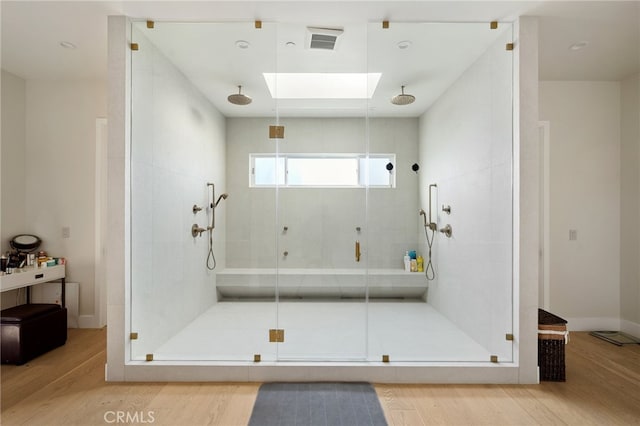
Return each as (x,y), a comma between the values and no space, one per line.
(31,330)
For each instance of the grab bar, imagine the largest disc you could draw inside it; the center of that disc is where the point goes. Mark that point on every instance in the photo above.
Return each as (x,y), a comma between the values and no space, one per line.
(357,251)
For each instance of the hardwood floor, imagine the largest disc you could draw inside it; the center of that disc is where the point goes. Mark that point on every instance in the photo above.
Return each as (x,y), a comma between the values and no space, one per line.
(67,387)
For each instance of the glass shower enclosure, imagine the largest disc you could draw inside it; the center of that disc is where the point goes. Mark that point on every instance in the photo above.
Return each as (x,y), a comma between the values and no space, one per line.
(275,230)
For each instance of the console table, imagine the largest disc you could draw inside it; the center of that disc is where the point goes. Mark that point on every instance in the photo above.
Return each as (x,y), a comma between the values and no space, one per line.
(25,277)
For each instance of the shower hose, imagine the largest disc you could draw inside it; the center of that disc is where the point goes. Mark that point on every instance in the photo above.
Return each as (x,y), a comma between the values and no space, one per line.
(430,276)
(211,255)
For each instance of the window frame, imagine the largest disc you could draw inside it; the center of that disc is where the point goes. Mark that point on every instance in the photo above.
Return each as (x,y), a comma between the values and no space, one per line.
(286,156)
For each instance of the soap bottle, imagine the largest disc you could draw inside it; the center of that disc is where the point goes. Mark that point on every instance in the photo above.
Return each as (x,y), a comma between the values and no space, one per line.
(407,262)
(414,265)
(420,262)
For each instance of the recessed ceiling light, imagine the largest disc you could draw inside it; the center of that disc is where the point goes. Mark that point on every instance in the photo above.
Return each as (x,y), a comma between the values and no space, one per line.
(404,44)
(242,44)
(579,45)
(67,45)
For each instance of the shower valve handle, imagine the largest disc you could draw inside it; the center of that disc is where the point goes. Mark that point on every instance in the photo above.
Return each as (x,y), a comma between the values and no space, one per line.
(196,231)
(447,230)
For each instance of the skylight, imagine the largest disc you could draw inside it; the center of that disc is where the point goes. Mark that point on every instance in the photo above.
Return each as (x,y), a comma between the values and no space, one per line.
(322,85)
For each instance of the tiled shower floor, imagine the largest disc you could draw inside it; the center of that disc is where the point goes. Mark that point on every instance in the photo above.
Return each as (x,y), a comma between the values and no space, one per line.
(322,331)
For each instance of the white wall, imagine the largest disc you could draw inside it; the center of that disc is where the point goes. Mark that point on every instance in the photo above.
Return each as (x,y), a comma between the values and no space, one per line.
(177,146)
(12,181)
(584,196)
(630,205)
(13,158)
(466,149)
(60,175)
(48,137)
(321,221)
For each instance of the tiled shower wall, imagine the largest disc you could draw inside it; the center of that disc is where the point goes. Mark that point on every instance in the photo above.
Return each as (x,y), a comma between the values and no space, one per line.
(466,149)
(321,222)
(178,145)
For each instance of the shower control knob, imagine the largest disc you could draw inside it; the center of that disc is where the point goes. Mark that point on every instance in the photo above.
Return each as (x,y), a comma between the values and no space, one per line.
(447,230)
(196,231)
(285,254)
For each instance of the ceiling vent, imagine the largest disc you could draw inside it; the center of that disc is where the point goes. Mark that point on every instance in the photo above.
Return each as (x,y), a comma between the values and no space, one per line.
(323,38)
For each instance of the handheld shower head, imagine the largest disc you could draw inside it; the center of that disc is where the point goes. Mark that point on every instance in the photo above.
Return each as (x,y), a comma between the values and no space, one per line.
(422,213)
(220,198)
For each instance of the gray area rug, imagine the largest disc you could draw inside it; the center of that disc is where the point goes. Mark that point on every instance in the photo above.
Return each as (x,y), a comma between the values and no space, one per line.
(616,337)
(330,404)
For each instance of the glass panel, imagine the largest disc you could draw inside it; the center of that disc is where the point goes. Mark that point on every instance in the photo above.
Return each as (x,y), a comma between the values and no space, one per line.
(321,282)
(319,252)
(208,295)
(453,147)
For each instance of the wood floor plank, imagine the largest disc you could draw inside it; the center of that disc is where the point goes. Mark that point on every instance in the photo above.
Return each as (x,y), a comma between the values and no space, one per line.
(66,387)
(398,405)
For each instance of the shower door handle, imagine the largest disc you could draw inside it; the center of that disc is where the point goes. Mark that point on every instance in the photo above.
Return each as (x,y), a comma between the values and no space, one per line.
(357,251)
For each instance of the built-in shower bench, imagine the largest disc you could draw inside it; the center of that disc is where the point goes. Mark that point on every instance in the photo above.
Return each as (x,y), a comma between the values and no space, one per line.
(320,283)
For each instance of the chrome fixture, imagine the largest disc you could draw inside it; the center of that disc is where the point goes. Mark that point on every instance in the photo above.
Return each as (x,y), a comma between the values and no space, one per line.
(195,209)
(447,231)
(196,231)
(403,98)
(446,209)
(239,98)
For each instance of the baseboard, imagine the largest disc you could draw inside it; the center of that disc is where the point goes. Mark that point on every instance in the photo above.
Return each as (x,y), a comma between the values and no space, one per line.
(88,321)
(629,327)
(592,324)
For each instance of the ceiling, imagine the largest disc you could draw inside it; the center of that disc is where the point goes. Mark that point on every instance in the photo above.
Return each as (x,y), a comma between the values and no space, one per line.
(32,32)
(208,55)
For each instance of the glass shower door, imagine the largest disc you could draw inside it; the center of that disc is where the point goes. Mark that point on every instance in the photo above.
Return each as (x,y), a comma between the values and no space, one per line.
(322,227)
(453,147)
(203,236)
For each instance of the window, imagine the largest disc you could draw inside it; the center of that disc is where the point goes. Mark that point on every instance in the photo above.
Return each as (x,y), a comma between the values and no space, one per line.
(321,170)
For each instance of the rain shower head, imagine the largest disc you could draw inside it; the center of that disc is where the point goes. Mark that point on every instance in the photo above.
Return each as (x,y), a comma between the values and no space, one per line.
(239,98)
(403,99)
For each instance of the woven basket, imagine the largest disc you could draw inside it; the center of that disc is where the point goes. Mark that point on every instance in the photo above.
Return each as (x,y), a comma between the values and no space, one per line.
(551,346)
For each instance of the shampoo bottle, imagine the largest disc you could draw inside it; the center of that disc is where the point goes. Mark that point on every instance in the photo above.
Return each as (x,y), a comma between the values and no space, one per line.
(420,264)
(407,262)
